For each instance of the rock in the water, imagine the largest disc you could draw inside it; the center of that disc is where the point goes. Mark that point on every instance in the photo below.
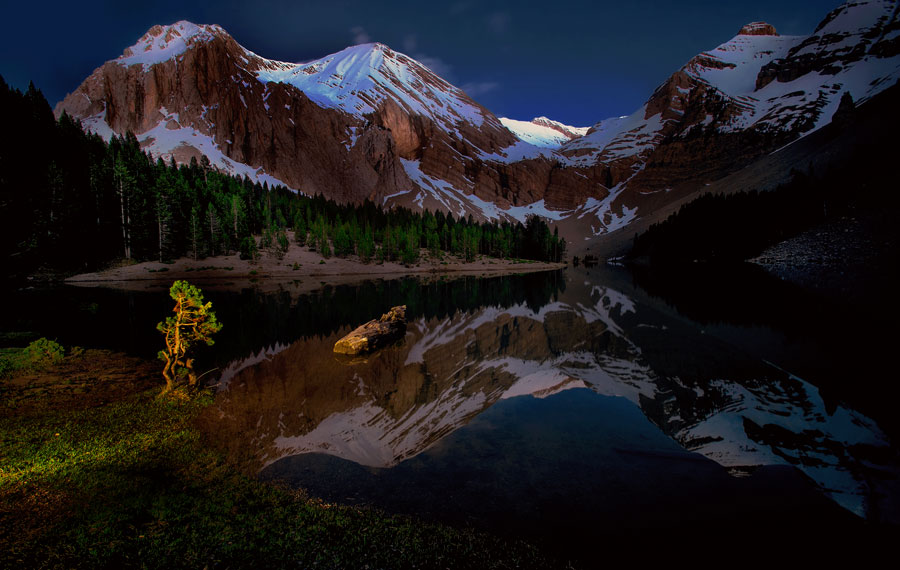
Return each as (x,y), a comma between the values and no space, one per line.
(375,334)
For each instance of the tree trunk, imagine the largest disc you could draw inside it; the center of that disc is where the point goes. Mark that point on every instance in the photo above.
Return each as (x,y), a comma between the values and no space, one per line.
(160,227)
(234,211)
(194,240)
(375,334)
(192,376)
(124,222)
(168,375)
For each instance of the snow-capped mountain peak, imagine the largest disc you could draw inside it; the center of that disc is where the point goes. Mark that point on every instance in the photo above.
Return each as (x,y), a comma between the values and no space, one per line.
(162,43)
(359,78)
(543,132)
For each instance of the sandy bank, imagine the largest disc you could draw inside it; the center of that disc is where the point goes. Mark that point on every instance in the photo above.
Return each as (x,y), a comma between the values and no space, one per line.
(298,264)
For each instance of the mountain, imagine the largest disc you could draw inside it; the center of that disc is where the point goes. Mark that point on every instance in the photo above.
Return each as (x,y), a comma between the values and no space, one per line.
(372,123)
(729,106)
(543,132)
(364,123)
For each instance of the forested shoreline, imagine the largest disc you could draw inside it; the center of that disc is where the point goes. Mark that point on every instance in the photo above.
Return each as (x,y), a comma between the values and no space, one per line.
(69,202)
(731,228)
(734,227)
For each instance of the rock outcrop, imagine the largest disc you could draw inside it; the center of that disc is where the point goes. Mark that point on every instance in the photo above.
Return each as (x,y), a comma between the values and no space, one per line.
(375,334)
(758,29)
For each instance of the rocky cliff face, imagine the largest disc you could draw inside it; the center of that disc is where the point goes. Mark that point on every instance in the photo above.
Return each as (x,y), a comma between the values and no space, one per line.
(191,90)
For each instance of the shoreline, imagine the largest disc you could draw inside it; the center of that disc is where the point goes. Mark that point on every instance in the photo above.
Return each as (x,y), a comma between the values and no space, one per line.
(101,471)
(296,266)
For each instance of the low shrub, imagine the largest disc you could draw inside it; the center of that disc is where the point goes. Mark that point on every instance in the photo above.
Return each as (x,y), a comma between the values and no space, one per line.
(36,356)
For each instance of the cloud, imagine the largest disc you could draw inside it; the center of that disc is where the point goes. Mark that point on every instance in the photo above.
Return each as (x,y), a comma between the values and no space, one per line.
(498,22)
(360,36)
(479,88)
(437,65)
(409,43)
(459,7)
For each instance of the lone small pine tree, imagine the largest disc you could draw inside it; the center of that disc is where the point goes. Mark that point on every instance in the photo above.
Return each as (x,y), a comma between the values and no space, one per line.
(194,321)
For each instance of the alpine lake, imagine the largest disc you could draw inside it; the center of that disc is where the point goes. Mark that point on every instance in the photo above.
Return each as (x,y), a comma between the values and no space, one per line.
(565,407)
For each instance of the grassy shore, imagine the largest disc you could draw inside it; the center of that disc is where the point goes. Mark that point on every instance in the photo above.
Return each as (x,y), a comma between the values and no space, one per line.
(97,470)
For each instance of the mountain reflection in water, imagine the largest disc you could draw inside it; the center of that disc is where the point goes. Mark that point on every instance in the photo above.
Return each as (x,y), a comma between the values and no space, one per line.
(659,388)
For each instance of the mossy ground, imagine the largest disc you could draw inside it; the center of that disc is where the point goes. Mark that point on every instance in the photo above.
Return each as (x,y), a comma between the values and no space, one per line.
(97,470)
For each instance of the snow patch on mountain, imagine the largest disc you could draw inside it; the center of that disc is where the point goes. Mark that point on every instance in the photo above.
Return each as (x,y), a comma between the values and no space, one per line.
(535,380)
(733,66)
(97,124)
(165,142)
(368,435)
(431,191)
(608,219)
(265,353)
(616,138)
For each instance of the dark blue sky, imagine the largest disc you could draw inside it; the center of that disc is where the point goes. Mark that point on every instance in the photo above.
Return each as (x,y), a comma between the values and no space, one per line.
(574,61)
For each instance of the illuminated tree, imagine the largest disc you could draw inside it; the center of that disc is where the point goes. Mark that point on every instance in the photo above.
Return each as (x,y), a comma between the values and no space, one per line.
(193,322)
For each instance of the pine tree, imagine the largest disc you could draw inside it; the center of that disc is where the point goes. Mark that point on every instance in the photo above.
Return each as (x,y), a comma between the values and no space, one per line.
(124,185)
(163,220)
(196,232)
(432,241)
(213,221)
(193,322)
(366,245)
(300,227)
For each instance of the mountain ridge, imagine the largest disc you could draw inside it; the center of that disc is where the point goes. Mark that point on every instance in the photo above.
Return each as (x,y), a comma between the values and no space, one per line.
(372,123)
(388,137)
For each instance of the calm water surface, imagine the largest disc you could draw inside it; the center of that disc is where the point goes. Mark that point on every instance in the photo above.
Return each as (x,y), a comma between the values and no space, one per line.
(551,406)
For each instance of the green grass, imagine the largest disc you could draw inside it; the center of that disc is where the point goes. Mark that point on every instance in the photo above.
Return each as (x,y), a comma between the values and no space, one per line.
(132,484)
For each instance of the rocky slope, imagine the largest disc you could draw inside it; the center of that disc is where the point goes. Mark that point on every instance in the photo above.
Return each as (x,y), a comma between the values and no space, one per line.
(729,106)
(372,123)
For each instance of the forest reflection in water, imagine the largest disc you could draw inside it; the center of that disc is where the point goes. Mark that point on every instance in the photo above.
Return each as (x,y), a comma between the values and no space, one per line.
(563,396)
